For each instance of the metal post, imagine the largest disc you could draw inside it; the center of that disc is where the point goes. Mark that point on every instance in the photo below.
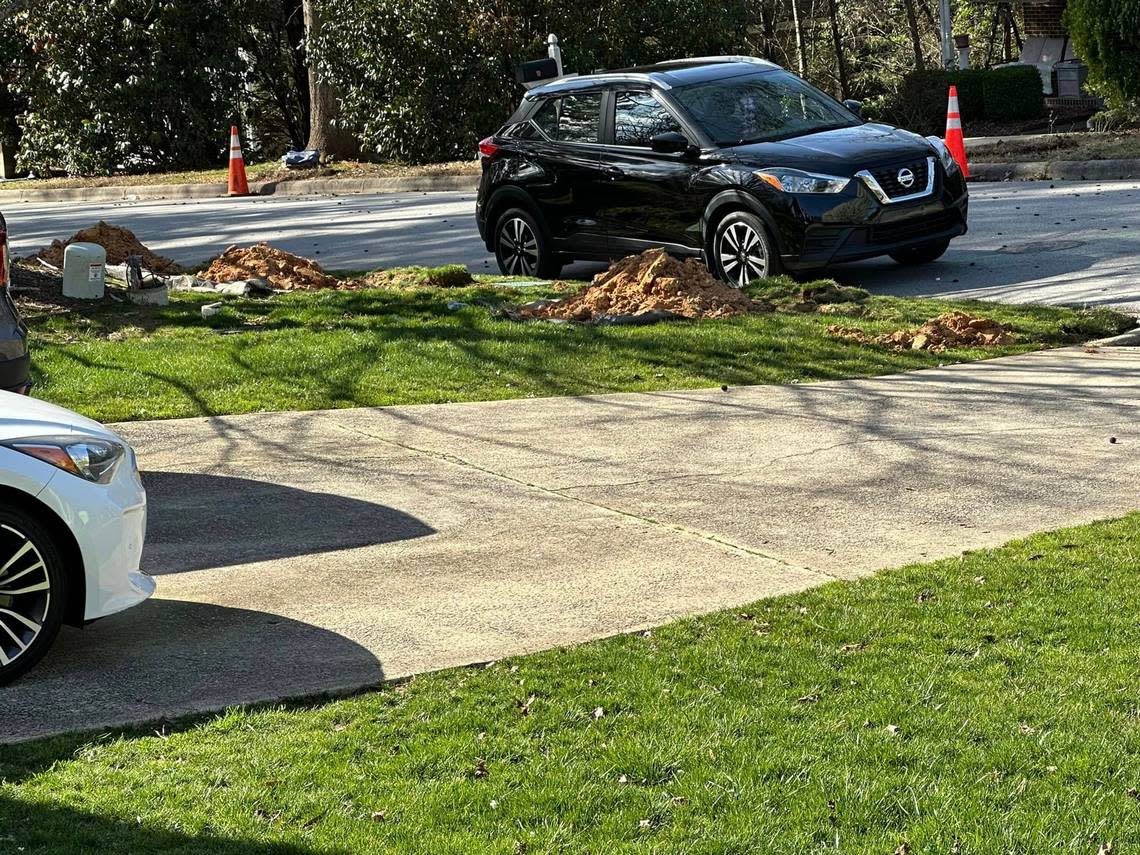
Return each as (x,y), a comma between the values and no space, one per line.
(946,26)
(554,51)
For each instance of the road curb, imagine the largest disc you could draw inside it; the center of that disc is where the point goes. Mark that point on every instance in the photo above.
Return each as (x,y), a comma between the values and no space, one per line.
(1126,339)
(1057,170)
(300,187)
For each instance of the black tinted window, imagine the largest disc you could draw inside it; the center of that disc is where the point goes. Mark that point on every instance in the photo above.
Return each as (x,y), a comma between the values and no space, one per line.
(572,118)
(638,118)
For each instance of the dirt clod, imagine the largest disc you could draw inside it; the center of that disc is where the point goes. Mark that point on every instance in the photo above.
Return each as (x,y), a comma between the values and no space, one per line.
(953,329)
(651,282)
(119,242)
(281,269)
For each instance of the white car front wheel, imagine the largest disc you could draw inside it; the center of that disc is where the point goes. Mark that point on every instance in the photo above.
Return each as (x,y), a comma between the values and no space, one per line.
(33,592)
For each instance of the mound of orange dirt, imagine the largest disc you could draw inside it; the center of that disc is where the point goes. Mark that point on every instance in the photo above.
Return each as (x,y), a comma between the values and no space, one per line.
(119,242)
(281,269)
(954,329)
(651,282)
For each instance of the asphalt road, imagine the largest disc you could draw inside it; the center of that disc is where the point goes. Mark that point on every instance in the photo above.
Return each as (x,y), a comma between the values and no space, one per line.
(1072,242)
(461,533)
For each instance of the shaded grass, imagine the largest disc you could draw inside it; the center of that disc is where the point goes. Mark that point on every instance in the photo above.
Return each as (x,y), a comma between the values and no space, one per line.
(987,702)
(376,347)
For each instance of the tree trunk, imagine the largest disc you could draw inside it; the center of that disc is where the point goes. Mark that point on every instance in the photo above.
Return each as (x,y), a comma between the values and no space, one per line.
(915,36)
(799,37)
(295,37)
(840,59)
(324,107)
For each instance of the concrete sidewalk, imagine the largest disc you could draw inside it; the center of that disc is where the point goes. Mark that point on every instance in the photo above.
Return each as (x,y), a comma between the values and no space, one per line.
(309,552)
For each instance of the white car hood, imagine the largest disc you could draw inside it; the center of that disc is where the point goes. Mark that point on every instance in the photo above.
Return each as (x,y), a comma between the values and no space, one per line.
(21,416)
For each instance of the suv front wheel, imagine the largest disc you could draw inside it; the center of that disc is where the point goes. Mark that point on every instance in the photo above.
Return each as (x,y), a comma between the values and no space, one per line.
(742,250)
(522,247)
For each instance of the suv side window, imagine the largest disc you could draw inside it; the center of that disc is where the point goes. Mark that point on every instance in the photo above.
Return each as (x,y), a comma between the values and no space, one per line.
(571,118)
(639,117)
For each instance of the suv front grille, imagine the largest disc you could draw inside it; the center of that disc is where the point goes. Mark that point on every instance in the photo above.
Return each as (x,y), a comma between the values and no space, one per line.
(888,178)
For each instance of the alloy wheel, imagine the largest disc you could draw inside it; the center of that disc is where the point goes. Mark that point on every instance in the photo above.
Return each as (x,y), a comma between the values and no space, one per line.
(518,247)
(25,593)
(743,254)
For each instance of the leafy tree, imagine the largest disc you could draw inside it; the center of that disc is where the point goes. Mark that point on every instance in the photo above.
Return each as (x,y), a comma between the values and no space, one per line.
(1106,34)
(129,84)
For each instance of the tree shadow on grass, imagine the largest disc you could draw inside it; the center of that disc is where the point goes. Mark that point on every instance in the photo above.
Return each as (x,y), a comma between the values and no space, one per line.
(31,827)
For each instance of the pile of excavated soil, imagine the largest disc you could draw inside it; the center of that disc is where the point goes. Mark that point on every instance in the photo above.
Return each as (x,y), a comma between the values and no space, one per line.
(651,282)
(954,329)
(280,269)
(119,243)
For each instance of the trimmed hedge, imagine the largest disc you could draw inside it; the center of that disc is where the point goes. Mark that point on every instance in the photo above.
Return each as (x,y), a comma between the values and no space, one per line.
(996,94)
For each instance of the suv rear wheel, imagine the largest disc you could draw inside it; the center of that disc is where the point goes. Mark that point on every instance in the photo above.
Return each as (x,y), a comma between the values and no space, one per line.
(742,250)
(522,247)
(921,254)
(33,592)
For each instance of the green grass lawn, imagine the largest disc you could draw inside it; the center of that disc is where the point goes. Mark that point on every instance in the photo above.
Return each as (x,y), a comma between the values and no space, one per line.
(376,347)
(988,702)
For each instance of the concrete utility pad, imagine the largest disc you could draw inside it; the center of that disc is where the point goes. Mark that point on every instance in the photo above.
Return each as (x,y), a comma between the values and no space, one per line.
(309,552)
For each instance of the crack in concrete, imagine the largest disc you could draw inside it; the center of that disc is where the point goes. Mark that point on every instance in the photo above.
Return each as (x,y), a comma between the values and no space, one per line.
(708,537)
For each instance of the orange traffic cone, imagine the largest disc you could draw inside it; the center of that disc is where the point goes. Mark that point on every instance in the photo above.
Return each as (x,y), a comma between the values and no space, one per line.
(239,186)
(954,139)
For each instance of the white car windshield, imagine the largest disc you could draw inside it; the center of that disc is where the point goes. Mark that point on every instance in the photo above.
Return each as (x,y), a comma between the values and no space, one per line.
(761,107)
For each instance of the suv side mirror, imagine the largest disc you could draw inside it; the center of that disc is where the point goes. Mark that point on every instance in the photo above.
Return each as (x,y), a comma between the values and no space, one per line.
(669,142)
(854,106)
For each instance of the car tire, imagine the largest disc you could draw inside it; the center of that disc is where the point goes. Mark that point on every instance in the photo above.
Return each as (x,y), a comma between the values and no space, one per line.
(33,592)
(921,254)
(743,250)
(522,247)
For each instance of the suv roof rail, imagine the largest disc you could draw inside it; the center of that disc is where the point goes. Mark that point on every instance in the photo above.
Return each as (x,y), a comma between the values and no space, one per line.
(709,60)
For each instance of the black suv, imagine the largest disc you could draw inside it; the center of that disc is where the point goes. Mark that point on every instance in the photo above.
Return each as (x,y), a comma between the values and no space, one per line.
(731,159)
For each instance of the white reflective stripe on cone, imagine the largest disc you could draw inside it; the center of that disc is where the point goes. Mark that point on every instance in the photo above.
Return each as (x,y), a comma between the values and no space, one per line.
(953,124)
(953,107)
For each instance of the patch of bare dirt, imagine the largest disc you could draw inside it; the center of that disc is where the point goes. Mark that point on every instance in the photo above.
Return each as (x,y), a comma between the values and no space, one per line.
(119,242)
(280,269)
(651,282)
(953,329)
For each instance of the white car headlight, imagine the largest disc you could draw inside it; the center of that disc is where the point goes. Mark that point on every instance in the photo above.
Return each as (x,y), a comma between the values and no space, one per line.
(88,457)
(948,161)
(798,181)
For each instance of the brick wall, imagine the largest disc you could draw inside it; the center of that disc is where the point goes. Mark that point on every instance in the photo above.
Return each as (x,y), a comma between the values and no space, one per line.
(1043,18)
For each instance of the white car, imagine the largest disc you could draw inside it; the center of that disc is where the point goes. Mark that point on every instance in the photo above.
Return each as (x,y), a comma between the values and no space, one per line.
(72,522)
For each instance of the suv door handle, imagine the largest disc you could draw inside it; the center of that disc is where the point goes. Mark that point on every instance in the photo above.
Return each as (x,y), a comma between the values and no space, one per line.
(613,172)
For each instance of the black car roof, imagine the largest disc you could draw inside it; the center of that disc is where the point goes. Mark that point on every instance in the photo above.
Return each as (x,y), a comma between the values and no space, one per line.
(665,75)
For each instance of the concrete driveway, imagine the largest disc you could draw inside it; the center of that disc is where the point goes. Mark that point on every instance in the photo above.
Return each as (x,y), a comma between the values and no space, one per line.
(302,553)
(1069,242)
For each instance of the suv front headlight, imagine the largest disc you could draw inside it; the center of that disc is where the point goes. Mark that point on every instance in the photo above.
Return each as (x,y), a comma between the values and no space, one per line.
(88,457)
(798,181)
(948,161)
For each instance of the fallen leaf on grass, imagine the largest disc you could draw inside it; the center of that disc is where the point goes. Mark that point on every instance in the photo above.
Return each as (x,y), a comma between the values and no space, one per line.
(893,729)
(480,770)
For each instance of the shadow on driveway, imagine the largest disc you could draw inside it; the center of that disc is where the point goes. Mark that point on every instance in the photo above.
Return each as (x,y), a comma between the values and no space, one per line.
(201,521)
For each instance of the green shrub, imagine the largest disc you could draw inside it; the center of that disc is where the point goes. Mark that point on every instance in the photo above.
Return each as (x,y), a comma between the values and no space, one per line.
(1106,35)
(423,80)
(996,94)
(1012,93)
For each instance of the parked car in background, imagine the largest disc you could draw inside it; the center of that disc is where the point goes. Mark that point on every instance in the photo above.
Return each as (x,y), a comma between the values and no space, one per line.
(730,159)
(14,360)
(72,523)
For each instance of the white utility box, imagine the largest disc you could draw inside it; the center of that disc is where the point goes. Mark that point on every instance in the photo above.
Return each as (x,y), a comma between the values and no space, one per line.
(84,271)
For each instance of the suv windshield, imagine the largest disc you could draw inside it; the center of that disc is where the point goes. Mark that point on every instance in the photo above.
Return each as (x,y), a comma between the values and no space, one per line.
(761,107)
